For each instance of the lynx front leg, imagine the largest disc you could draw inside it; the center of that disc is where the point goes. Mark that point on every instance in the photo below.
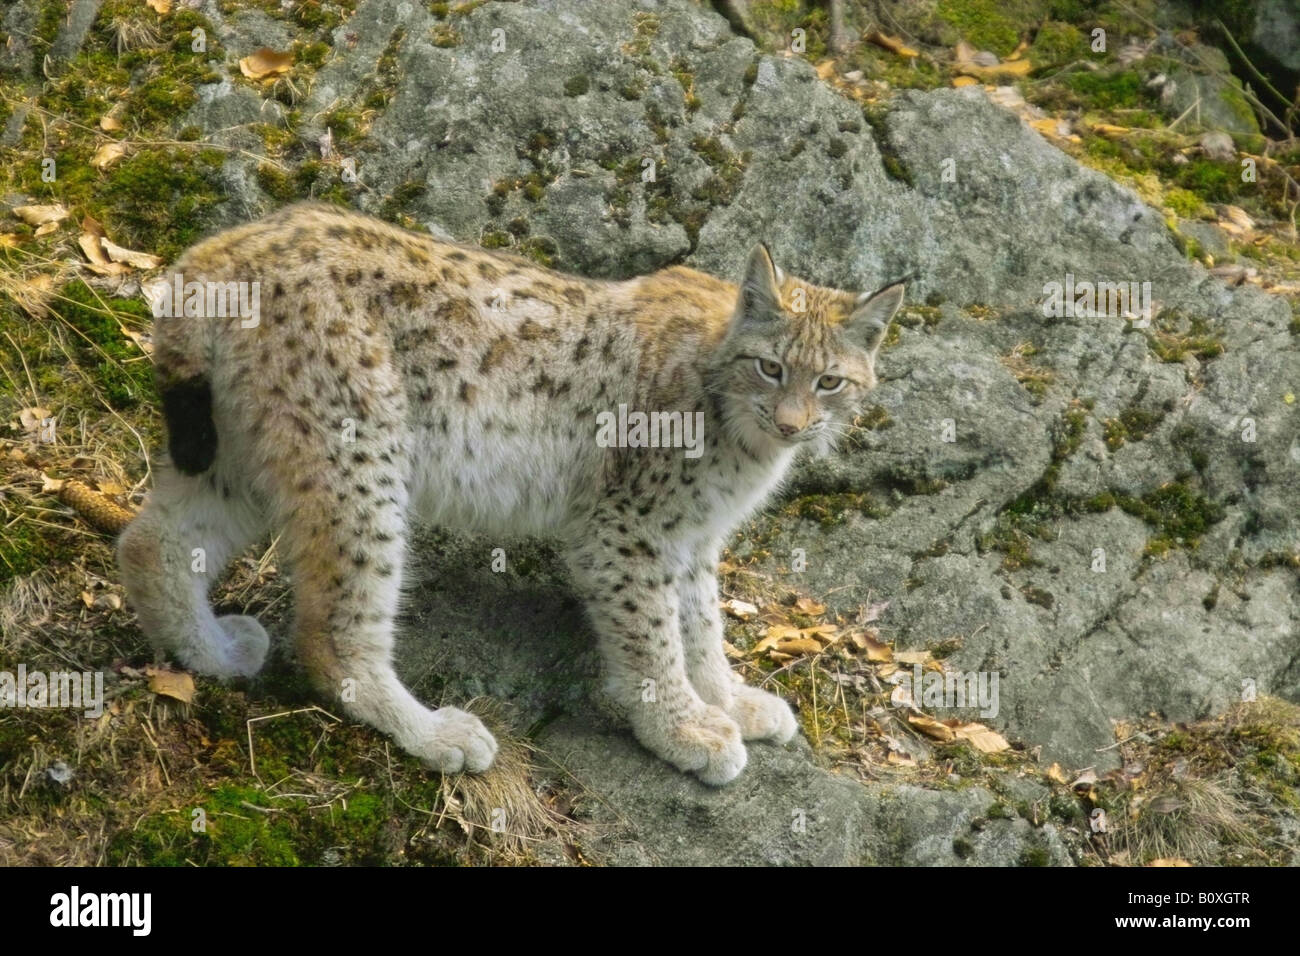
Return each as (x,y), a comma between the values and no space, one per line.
(762,716)
(629,587)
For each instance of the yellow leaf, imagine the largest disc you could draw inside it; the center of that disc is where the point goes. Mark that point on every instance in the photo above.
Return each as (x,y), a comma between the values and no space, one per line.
(1169,861)
(826,69)
(1055,773)
(109,124)
(1003,70)
(982,738)
(265,63)
(1108,129)
(162,7)
(960,81)
(168,683)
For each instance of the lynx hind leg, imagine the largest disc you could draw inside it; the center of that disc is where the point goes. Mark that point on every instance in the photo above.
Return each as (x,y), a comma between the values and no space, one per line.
(171,554)
(346,549)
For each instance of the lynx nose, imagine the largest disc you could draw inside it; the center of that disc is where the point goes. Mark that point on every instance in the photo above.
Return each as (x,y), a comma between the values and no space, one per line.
(786,430)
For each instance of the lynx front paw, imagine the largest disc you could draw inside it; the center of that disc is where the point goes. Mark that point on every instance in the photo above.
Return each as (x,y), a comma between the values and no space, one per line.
(762,716)
(705,742)
(453,740)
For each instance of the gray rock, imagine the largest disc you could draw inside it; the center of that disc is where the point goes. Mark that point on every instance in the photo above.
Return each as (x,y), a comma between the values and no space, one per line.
(1169,450)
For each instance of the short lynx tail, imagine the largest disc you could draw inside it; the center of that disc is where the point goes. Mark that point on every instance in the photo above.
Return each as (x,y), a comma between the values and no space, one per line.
(191,432)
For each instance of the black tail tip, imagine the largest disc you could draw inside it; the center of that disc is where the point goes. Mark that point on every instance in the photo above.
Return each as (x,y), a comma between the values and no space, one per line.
(191,432)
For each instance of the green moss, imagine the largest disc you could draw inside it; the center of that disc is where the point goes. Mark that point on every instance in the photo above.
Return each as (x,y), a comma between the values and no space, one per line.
(495,240)
(112,358)
(893,163)
(1057,43)
(1108,89)
(834,509)
(1133,424)
(445,36)
(1179,514)
(577,85)
(987,24)
(1034,856)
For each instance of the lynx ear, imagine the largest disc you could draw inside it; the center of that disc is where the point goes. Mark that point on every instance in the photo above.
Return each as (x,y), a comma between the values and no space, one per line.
(760,290)
(870,319)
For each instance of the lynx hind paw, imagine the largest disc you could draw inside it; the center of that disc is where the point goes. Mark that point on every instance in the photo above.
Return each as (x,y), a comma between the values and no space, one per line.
(762,716)
(453,741)
(238,651)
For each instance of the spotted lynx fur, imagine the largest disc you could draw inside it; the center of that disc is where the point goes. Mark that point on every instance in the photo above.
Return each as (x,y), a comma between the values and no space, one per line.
(390,378)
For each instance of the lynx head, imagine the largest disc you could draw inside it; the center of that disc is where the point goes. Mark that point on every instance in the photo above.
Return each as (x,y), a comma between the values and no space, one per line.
(798,359)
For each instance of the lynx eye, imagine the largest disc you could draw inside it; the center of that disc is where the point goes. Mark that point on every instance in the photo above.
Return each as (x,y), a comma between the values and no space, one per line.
(830,384)
(769,369)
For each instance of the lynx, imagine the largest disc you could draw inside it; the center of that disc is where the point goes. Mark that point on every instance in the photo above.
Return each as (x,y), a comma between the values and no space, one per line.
(385,378)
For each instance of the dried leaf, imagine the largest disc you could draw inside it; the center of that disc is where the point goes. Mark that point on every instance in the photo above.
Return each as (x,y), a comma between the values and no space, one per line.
(1108,129)
(732,651)
(901,759)
(827,633)
(99,263)
(806,605)
(912,657)
(1085,779)
(169,683)
(876,651)
(931,727)
(31,418)
(265,63)
(1169,861)
(109,123)
(1055,773)
(162,7)
(39,215)
(802,645)
(138,260)
(983,739)
(91,225)
(960,81)
(892,44)
(741,610)
(108,154)
(111,602)
(873,612)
